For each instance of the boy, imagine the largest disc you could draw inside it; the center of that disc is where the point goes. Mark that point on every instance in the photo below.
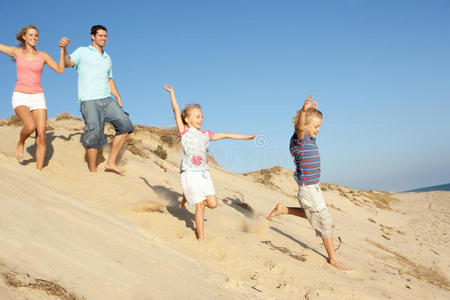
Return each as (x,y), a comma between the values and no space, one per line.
(303,148)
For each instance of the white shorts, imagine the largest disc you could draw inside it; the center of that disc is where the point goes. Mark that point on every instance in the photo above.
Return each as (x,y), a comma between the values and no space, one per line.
(311,200)
(310,197)
(32,101)
(196,186)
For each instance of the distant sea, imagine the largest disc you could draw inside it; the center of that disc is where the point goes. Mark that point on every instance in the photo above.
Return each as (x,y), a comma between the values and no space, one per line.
(442,187)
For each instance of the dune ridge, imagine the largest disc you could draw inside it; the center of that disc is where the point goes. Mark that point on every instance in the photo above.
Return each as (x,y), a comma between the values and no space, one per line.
(104,236)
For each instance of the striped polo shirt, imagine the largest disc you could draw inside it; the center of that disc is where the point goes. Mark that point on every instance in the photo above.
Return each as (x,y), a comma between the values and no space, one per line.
(306,159)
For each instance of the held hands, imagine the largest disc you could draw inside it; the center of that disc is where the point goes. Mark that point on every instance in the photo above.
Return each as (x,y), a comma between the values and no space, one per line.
(250,136)
(169,88)
(308,104)
(64,42)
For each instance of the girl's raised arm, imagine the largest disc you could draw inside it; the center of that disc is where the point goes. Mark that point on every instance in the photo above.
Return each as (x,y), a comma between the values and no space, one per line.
(8,50)
(176,109)
(233,136)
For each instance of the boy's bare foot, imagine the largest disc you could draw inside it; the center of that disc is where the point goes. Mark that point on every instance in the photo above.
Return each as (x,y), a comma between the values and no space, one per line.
(182,203)
(278,210)
(19,151)
(114,168)
(338,265)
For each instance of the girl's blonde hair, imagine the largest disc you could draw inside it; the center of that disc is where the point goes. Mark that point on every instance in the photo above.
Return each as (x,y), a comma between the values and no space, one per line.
(187,111)
(22,32)
(311,113)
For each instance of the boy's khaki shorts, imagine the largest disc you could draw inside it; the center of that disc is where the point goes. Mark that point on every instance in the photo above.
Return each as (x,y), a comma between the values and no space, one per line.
(311,200)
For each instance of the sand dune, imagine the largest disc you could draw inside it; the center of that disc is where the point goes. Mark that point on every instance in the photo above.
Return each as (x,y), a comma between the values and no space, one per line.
(68,234)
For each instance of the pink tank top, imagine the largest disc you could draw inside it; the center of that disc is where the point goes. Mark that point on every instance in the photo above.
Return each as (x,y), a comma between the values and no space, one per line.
(29,74)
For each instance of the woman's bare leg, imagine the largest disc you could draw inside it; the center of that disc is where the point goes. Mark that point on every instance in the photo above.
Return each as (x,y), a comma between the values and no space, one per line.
(40,119)
(29,127)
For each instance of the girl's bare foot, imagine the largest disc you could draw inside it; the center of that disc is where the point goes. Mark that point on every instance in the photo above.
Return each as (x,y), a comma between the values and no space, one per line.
(278,210)
(182,203)
(338,265)
(114,168)
(19,151)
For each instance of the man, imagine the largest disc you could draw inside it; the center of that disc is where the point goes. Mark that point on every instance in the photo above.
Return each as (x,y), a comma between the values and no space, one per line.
(95,86)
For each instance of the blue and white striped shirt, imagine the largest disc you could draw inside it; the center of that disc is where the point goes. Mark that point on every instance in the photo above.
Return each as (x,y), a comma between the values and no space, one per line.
(306,159)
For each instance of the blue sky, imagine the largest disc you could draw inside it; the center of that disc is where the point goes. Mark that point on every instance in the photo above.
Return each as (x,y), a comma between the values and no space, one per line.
(380,71)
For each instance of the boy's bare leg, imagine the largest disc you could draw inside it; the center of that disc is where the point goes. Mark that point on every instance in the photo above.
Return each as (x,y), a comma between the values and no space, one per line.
(117,144)
(183,202)
(92,159)
(328,243)
(282,209)
(28,128)
(40,119)
(199,220)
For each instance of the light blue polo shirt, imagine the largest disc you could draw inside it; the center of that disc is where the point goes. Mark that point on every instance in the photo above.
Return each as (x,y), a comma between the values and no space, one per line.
(94,71)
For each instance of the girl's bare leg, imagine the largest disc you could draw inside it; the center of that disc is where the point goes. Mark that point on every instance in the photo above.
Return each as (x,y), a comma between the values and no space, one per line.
(281,209)
(40,119)
(29,127)
(199,220)
(183,202)
(211,201)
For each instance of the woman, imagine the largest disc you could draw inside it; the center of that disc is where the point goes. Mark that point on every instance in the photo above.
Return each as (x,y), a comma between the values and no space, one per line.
(28,98)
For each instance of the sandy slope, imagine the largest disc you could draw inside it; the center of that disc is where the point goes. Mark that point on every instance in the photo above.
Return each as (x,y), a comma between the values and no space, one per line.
(104,236)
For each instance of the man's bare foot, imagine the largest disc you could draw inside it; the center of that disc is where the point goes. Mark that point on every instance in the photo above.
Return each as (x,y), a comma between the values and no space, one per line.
(19,151)
(338,265)
(278,210)
(109,167)
(182,203)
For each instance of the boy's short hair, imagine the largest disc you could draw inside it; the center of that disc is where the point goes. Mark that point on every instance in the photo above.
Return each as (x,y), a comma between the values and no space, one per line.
(310,114)
(96,28)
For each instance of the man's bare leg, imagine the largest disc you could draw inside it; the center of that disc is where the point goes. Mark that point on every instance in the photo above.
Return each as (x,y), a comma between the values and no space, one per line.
(281,209)
(92,159)
(328,243)
(117,144)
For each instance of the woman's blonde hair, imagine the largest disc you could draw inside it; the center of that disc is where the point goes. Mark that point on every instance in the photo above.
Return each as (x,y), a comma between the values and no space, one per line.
(311,113)
(22,32)
(187,111)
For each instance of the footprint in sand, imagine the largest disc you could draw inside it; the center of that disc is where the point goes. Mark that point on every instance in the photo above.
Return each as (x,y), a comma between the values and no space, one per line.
(148,207)
(287,251)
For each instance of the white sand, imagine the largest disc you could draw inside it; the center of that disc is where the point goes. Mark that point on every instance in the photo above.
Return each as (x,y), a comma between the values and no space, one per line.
(104,236)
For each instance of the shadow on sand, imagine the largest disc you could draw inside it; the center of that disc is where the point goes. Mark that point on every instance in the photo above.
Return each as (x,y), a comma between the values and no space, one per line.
(305,246)
(172,197)
(240,206)
(49,138)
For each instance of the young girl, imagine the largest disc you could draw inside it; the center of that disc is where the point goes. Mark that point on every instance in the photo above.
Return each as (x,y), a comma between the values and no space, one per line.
(195,180)
(303,148)
(28,98)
